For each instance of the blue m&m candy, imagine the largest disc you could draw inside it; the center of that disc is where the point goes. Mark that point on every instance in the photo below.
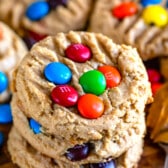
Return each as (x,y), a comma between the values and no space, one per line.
(5,114)
(1,138)
(150,2)
(35,126)
(37,10)
(58,73)
(3,82)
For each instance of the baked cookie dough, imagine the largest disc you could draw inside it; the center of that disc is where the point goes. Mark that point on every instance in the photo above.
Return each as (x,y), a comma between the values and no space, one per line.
(24,155)
(12,50)
(56,147)
(129,22)
(53,16)
(65,83)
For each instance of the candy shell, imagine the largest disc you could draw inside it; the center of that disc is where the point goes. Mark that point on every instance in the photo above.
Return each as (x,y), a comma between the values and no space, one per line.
(90,106)
(125,9)
(35,126)
(93,81)
(155,87)
(5,114)
(150,2)
(3,82)
(58,73)
(64,95)
(55,3)
(37,10)
(111,74)
(1,33)
(153,75)
(1,139)
(155,14)
(78,53)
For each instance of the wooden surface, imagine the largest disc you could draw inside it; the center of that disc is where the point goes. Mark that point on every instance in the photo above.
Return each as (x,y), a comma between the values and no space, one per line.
(153,156)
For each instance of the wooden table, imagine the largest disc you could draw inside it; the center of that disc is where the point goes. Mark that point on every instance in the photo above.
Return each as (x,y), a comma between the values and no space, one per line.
(153,156)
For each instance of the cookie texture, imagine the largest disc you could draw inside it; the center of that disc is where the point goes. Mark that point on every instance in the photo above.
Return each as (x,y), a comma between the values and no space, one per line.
(133,29)
(55,147)
(122,124)
(72,16)
(12,50)
(24,155)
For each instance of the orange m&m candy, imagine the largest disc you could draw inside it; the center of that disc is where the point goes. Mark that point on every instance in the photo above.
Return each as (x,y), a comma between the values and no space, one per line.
(90,106)
(125,9)
(111,74)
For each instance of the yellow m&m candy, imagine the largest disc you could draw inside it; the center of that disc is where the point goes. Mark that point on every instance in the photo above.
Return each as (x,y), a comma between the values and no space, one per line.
(156,15)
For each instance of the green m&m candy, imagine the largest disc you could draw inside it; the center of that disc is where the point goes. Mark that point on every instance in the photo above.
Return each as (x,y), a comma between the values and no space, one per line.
(93,82)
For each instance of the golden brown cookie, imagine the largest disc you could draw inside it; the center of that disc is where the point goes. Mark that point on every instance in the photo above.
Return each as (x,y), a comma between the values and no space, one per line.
(85,89)
(49,18)
(55,147)
(129,22)
(24,155)
(12,50)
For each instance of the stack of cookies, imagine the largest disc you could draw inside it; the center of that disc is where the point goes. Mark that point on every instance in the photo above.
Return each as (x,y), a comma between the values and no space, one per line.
(78,101)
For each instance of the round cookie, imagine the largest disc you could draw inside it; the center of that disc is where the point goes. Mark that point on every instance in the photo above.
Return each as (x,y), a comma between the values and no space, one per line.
(56,147)
(24,155)
(122,122)
(12,50)
(129,22)
(49,20)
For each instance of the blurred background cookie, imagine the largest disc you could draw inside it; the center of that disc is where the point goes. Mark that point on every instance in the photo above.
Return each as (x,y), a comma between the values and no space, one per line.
(12,50)
(142,24)
(34,19)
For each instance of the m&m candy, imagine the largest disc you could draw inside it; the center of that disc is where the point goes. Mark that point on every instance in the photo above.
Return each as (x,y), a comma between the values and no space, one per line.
(37,10)
(78,53)
(155,87)
(54,3)
(125,9)
(1,138)
(155,14)
(111,74)
(90,106)
(150,2)
(5,114)
(64,95)
(93,81)
(35,126)
(3,82)
(153,75)
(1,33)
(58,73)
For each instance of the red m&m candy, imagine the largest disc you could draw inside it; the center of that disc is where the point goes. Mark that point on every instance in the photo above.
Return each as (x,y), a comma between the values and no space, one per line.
(64,95)
(36,36)
(111,74)
(90,106)
(125,9)
(78,53)
(153,75)
(155,87)
(1,33)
